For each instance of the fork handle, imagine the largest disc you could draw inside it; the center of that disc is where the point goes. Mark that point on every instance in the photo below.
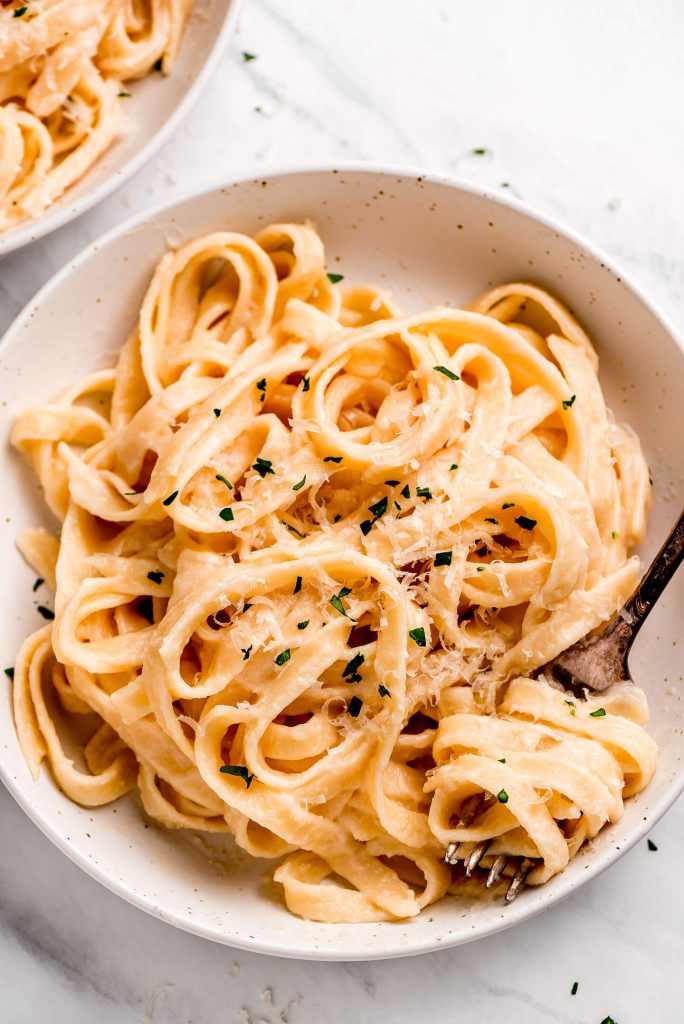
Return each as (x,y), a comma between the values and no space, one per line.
(658,575)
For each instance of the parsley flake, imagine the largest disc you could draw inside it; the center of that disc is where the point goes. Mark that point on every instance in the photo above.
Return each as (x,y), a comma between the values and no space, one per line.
(9,672)
(263,467)
(649,842)
(418,636)
(453,466)
(614,534)
(599,713)
(304,624)
(572,706)
(335,278)
(157,66)
(573,990)
(568,402)
(525,523)
(248,56)
(502,760)
(223,480)
(354,706)
(424,492)
(447,372)
(352,666)
(293,529)
(391,483)
(239,770)
(490,519)
(336,602)
(379,508)
(171,498)
(283,657)
(298,487)
(227,515)
(123,95)
(508,504)
(47,613)
(298,585)
(246,651)
(502,796)
(39,583)
(480,151)
(261,386)
(383,691)
(443,558)
(405,491)
(366,527)
(156,576)
(333,458)
(306,383)
(217,413)
(19,12)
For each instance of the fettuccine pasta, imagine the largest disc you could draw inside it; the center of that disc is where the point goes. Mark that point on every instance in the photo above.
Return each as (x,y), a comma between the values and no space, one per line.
(62,68)
(312,554)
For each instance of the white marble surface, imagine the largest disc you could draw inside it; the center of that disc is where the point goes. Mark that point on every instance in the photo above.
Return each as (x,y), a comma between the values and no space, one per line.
(579,106)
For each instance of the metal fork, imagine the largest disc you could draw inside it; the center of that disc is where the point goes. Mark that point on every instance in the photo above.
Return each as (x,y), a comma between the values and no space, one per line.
(593,664)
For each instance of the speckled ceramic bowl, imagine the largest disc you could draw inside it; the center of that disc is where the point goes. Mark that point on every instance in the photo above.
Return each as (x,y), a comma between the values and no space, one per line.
(157,107)
(431,241)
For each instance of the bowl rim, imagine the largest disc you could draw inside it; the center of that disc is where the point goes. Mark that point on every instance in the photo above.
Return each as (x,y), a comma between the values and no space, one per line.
(542,899)
(56,216)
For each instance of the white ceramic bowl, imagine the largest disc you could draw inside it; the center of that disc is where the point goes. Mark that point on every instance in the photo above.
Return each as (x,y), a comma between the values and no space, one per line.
(158,105)
(431,241)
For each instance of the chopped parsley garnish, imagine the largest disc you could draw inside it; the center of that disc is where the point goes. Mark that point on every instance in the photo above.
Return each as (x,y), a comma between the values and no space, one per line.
(333,458)
(171,498)
(335,278)
(443,558)
(157,66)
(155,575)
(405,491)
(9,672)
(246,651)
(304,624)
(573,708)
(227,515)
(298,585)
(491,519)
(424,492)
(453,466)
(123,95)
(223,480)
(447,372)
(379,508)
(502,796)
(649,842)
(608,1020)
(614,534)
(283,657)
(39,583)
(383,691)
(354,706)
(217,413)
(298,487)
(366,527)
(480,568)
(336,602)
(47,613)
(418,636)
(261,386)
(502,760)
(352,667)
(293,529)
(306,383)
(480,151)
(248,56)
(19,12)
(599,713)
(263,467)
(239,770)
(391,483)
(573,990)
(397,506)
(568,402)
(525,523)
(508,504)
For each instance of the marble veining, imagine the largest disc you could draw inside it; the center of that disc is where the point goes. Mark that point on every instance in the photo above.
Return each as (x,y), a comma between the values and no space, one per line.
(578,106)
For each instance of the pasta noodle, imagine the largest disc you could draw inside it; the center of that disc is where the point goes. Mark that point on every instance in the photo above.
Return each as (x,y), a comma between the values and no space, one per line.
(62,65)
(312,553)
